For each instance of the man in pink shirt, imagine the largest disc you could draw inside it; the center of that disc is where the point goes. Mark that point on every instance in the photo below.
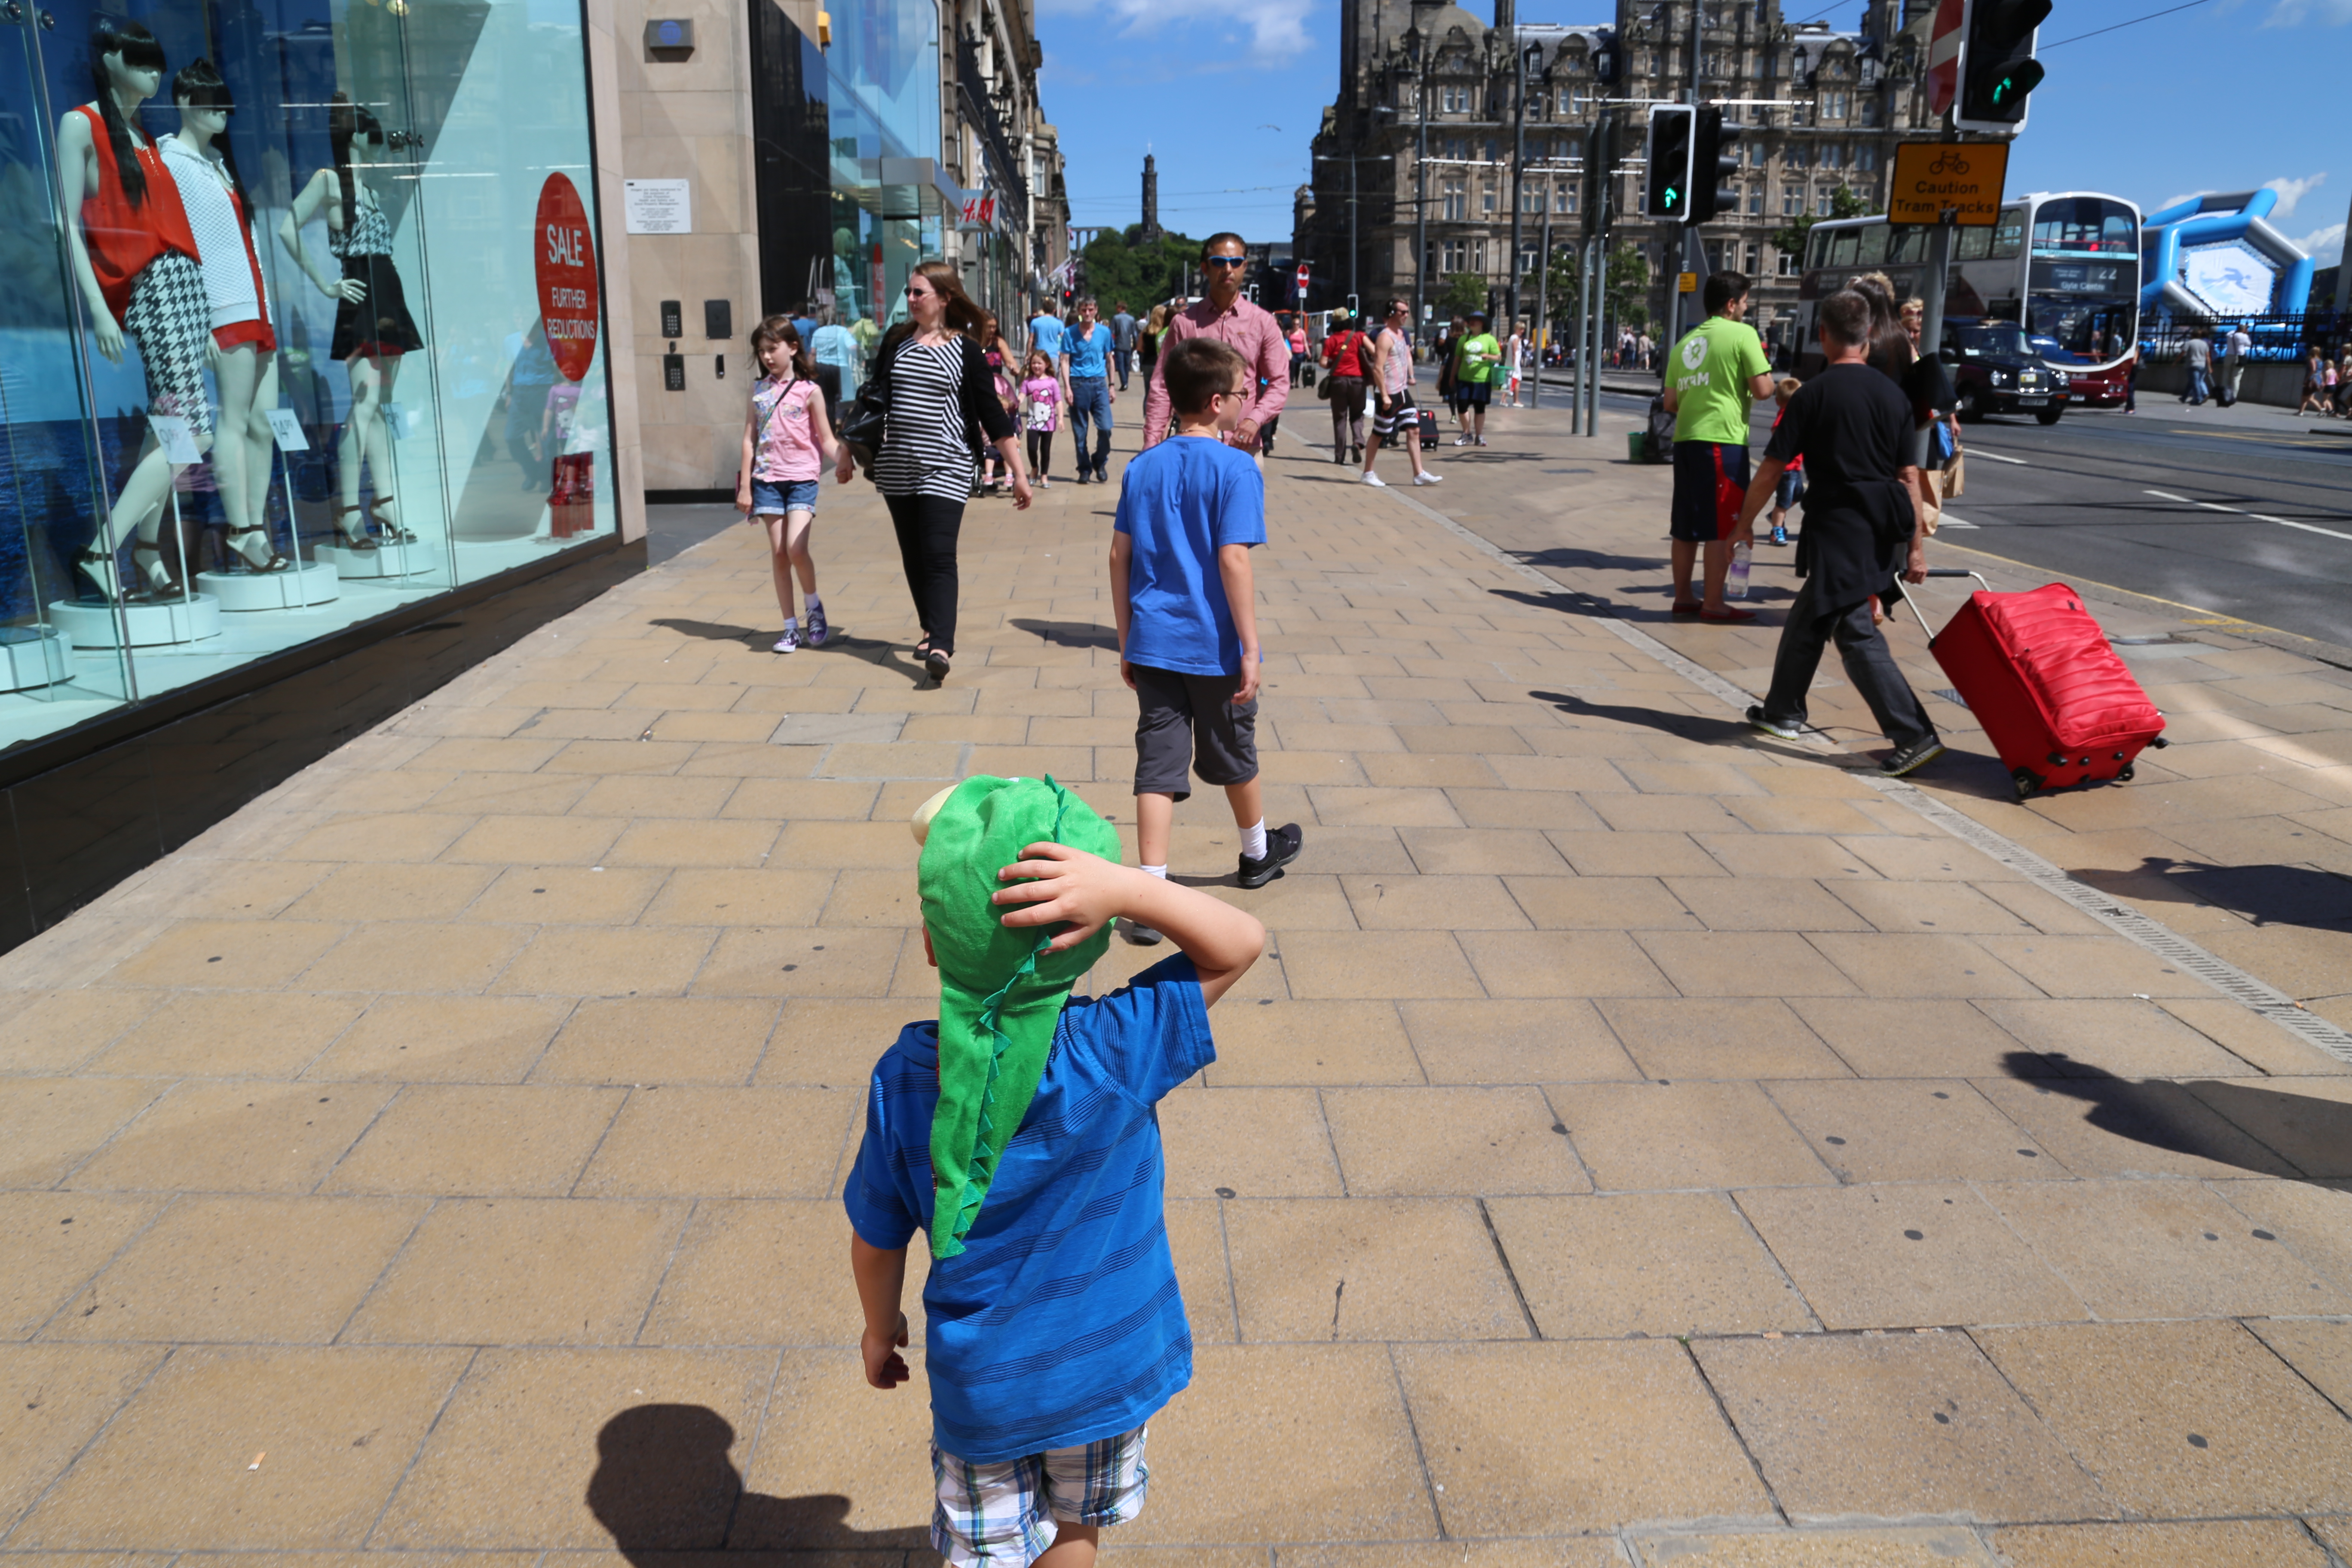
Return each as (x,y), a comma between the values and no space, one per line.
(1250,331)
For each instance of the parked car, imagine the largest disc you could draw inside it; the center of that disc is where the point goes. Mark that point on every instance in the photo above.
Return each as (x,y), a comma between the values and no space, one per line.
(2091,388)
(1996,371)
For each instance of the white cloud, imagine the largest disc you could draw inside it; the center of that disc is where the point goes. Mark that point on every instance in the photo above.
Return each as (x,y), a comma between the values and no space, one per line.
(2295,12)
(2292,192)
(1276,28)
(2324,246)
(1278,31)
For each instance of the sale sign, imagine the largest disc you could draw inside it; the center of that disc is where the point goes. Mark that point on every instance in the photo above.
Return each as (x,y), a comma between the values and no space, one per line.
(566,265)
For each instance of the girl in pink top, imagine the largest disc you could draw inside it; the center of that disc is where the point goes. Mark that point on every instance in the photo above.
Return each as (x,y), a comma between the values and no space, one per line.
(787,443)
(1041,415)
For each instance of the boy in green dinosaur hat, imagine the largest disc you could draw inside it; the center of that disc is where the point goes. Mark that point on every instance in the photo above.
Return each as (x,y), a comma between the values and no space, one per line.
(1020,1132)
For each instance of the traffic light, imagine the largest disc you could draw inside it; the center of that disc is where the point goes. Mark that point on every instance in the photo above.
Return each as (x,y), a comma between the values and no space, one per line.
(1672,143)
(1997,66)
(1714,159)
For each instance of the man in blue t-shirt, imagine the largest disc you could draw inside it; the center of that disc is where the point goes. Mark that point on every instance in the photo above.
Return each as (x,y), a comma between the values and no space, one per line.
(1086,374)
(1045,332)
(1186,602)
(1053,1327)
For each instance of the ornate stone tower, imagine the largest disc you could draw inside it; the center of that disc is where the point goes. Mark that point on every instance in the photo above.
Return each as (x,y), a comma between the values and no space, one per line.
(1150,200)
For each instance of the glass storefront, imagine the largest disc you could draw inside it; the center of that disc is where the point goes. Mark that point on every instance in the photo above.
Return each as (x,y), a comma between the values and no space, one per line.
(299,326)
(850,196)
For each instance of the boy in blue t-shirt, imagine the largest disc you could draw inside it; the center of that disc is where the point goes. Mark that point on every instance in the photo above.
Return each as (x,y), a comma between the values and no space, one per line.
(1020,1132)
(1180,587)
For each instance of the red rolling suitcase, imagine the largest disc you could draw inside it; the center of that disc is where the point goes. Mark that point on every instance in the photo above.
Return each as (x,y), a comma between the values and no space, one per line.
(2039,674)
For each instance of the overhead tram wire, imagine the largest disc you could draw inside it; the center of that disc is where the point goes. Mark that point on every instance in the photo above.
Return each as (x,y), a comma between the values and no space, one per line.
(2135,22)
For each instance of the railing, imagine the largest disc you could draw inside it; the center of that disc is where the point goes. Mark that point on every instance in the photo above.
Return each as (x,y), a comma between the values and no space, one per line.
(980,108)
(2163,337)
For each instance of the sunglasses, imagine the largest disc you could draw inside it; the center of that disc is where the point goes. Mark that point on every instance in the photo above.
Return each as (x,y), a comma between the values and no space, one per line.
(1226,261)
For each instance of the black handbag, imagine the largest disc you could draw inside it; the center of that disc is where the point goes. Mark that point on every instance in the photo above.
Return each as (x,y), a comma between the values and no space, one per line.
(860,430)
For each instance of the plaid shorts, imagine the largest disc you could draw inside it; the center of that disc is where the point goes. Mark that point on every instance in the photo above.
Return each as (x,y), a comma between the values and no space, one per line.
(995,1514)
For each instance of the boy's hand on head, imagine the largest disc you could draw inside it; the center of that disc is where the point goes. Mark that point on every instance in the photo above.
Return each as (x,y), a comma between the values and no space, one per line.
(1054,883)
(884,1367)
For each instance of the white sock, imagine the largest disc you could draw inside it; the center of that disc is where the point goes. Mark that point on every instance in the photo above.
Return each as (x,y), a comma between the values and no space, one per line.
(1253,841)
(1159,871)
(813,603)
(791,623)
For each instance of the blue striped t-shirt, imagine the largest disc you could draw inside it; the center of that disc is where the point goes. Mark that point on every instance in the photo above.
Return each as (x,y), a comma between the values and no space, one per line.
(1060,1323)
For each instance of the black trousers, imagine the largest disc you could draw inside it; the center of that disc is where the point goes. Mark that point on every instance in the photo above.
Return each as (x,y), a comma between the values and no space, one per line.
(926,527)
(1869,664)
(1041,454)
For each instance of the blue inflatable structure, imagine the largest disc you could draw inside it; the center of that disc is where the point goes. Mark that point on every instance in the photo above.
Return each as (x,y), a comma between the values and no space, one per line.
(2211,258)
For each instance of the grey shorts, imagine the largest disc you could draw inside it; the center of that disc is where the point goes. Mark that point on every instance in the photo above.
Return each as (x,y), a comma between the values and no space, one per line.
(1192,719)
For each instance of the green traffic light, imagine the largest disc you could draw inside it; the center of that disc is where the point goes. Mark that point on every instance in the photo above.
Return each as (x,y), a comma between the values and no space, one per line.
(1673,195)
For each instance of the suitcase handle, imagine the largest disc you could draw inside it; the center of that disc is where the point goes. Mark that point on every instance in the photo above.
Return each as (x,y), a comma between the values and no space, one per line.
(1942,571)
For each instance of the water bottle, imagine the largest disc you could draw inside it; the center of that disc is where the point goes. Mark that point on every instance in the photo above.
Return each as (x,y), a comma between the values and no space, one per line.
(1735,586)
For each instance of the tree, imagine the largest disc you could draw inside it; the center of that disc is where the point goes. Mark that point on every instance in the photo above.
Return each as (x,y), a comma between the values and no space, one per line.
(1626,280)
(1464,292)
(1844,201)
(1114,266)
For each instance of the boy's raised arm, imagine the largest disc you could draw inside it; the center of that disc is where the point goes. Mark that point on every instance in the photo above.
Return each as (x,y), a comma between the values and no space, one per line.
(1055,884)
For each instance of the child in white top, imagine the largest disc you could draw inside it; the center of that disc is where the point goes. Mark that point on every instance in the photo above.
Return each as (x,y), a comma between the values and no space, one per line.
(1041,414)
(787,443)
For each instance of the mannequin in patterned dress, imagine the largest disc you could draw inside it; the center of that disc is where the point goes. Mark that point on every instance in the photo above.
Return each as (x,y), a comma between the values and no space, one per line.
(372,328)
(135,263)
(244,349)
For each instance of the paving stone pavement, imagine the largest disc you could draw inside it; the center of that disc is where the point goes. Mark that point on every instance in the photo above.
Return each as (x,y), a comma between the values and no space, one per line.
(1640,1146)
(2238,834)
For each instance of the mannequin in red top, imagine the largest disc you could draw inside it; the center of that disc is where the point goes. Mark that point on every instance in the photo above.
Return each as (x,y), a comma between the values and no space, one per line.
(136,263)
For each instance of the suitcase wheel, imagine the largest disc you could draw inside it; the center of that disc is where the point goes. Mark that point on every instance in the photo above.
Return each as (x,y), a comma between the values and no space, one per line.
(2027,781)
(2159,741)
(2125,772)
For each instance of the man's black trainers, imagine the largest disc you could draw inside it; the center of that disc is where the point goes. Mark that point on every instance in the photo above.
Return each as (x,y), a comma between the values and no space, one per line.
(1281,848)
(1785,728)
(1139,934)
(1913,757)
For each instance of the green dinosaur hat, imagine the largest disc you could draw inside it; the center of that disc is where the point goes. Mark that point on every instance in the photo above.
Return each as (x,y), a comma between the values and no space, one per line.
(1000,991)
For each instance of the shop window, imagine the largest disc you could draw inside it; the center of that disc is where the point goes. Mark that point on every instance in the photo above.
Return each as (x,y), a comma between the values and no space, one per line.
(1456,202)
(346,353)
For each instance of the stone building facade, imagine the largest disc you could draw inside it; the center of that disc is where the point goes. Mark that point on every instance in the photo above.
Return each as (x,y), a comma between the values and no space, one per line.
(1832,106)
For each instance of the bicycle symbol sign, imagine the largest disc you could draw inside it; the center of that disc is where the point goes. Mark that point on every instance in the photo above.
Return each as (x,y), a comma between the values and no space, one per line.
(1935,178)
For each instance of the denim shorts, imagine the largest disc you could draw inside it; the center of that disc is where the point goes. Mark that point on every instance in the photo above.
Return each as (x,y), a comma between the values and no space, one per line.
(775,498)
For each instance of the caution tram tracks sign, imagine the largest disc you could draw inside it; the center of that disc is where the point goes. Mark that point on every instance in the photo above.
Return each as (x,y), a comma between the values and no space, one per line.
(1963,177)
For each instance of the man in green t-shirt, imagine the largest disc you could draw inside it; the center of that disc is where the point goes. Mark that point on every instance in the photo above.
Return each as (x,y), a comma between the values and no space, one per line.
(1474,359)
(1711,375)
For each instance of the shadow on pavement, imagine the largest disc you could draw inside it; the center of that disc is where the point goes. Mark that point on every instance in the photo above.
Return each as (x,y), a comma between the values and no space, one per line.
(664,1483)
(2266,895)
(2268,1130)
(1689,726)
(1069,633)
(875,651)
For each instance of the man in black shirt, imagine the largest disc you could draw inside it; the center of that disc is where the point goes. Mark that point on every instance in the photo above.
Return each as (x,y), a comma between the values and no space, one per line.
(1852,426)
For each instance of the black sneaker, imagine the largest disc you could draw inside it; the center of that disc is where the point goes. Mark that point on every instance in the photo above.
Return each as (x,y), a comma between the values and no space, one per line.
(1785,728)
(1139,934)
(1282,844)
(1913,757)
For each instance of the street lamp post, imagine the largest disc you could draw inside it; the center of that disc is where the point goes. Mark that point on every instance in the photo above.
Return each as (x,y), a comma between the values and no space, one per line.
(1527,57)
(1413,52)
(1351,160)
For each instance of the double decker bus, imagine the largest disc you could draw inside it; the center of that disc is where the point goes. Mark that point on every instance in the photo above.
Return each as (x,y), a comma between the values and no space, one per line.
(2063,267)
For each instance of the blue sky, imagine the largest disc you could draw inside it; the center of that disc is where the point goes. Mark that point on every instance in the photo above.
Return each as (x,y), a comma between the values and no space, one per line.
(2223,95)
